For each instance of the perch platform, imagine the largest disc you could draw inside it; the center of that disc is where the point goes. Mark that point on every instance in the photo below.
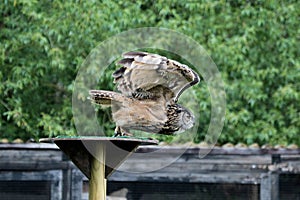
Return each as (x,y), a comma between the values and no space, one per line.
(98,157)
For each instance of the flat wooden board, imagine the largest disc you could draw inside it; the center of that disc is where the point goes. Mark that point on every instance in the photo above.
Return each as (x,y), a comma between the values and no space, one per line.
(221,150)
(81,150)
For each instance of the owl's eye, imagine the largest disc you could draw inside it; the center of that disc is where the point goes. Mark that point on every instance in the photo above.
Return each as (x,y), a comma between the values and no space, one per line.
(187,118)
(178,111)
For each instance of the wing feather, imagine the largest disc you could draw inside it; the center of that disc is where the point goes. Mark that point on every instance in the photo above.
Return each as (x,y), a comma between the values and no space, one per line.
(104,97)
(141,72)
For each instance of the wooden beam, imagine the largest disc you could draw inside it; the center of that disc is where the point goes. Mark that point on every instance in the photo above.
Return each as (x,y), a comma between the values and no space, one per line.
(269,186)
(97,187)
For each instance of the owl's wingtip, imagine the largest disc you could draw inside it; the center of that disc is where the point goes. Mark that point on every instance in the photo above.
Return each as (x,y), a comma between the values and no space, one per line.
(196,78)
(132,54)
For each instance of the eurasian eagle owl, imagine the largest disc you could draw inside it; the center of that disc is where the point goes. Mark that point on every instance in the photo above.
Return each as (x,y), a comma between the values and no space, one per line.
(150,86)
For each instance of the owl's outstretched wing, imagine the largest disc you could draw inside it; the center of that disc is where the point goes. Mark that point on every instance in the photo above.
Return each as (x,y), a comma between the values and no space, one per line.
(129,113)
(144,75)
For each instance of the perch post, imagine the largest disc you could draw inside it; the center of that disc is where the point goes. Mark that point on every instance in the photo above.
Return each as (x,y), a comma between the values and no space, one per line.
(97,187)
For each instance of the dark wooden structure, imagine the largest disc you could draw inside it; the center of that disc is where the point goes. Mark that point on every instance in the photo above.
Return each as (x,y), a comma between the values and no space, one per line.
(23,167)
(255,167)
(254,173)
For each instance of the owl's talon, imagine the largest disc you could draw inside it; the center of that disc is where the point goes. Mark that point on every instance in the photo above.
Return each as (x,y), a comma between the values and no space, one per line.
(127,134)
(118,132)
(121,132)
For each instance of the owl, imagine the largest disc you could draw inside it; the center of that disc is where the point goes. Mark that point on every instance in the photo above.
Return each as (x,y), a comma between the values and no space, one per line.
(149,86)
(145,115)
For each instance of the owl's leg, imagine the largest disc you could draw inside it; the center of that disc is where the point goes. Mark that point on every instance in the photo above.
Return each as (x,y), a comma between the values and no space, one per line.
(125,132)
(121,132)
(117,131)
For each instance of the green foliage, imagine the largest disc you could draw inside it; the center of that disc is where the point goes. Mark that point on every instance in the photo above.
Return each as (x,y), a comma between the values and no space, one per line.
(255,45)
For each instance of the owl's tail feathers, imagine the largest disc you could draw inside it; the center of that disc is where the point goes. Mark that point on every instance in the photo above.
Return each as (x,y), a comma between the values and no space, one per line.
(104,97)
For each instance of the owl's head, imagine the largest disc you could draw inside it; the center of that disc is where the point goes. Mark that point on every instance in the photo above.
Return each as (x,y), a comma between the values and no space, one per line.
(186,119)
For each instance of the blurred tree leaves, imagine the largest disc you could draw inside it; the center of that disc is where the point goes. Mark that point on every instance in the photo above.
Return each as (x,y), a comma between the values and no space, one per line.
(255,44)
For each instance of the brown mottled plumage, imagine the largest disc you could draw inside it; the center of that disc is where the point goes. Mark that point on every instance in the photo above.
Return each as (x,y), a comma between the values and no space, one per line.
(145,115)
(142,72)
(150,86)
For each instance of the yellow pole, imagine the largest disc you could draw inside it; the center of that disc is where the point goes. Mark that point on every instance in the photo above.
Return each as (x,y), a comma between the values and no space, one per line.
(97,184)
